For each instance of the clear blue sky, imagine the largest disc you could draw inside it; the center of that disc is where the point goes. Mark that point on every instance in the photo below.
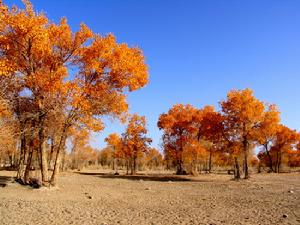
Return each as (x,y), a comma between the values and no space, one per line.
(199,50)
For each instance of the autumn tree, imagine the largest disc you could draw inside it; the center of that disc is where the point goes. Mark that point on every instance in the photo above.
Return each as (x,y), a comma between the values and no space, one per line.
(184,126)
(243,113)
(178,126)
(40,54)
(153,158)
(268,128)
(79,147)
(294,158)
(231,147)
(7,133)
(115,142)
(135,140)
(294,155)
(286,140)
(211,130)
(106,157)
(194,153)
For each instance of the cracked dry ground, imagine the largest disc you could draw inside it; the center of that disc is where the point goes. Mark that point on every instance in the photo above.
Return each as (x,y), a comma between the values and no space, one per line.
(97,198)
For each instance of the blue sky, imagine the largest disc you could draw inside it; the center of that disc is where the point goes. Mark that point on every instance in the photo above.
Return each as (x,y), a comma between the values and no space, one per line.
(198,50)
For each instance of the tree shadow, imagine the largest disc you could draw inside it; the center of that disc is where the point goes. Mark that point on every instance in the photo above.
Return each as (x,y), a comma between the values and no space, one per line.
(8,168)
(144,177)
(4,180)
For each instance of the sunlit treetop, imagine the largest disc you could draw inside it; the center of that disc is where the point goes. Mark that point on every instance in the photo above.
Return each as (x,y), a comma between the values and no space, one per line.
(85,72)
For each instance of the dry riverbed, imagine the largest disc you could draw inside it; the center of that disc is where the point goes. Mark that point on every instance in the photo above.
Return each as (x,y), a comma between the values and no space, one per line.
(99,198)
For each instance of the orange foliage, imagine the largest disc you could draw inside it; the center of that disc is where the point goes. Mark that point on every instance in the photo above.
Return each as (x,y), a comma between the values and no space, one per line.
(153,158)
(266,134)
(179,127)
(114,141)
(286,139)
(211,125)
(80,76)
(134,141)
(294,158)
(243,113)
(82,154)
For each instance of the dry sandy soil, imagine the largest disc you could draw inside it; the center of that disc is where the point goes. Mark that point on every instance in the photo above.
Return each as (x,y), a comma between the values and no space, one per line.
(99,198)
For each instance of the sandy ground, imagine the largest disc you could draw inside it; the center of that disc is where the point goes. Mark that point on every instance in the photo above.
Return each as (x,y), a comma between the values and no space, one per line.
(97,198)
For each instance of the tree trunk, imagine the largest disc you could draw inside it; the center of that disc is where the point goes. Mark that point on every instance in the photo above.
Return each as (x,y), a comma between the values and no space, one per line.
(133,172)
(237,174)
(259,168)
(11,160)
(21,165)
(246,165)
(279,157)
(194,170)
(116,165)
(127,166)
(44,162)
(30,155)
(42,148)
(56,168)
(28,166)
(179,167)
(113,164)
(51,153)
(63,161)
(269,157)
(130,166)
(277,162)
(210,161)
(58,156)
(245,145)
(179,158)
(21,162)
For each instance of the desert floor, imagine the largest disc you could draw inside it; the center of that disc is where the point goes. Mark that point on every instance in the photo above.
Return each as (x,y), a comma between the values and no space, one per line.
(94,197)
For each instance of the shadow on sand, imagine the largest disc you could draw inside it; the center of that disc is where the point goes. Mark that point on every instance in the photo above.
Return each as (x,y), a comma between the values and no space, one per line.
(4,180)
(143,177)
